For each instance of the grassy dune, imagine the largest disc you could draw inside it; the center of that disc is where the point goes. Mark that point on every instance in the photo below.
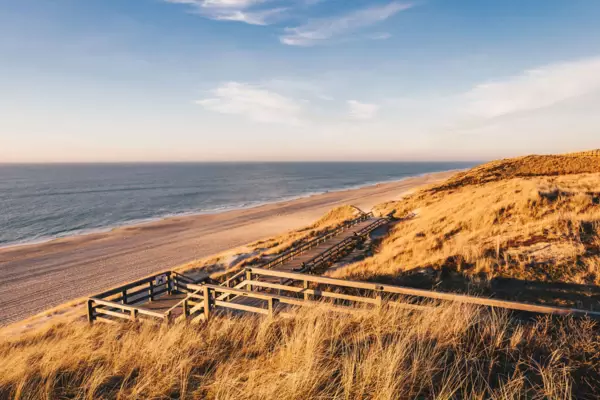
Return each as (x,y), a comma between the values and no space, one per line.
(512,221)
(500,229)
(449,352)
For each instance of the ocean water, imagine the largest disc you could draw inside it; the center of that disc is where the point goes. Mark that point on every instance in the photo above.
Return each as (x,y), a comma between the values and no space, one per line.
(41,202)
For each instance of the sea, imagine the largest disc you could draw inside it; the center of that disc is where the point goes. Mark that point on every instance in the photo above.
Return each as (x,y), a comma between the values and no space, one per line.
(42,202)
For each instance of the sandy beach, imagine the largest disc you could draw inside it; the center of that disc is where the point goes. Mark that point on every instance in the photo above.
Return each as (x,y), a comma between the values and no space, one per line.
(40,276)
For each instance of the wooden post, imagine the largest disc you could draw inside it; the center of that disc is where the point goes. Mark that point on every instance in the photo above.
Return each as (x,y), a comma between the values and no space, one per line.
(151,291)
(90,311)
(306,296)
(124,296)
(169,284)
(186,309)
(271,306)
(134,314)
(206,303)
(379,298)
(249,278)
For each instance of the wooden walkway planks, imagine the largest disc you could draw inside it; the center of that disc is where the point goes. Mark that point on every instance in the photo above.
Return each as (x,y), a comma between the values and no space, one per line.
(295,264)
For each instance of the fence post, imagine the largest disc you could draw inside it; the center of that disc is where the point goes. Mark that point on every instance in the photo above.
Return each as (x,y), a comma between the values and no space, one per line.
(169,284)
(134,314)
(271,305)
(379,298)
(206,292)
(124,296)
(306,296)
(186,310)
(151,291)
(90,310)
(249,278)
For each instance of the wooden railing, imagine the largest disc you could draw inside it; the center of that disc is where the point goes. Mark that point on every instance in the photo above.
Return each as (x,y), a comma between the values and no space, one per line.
(296,251)
(341,248)
(369,228)
(256,295)
(591,153)
(380,292)
(269,298)
(123,302)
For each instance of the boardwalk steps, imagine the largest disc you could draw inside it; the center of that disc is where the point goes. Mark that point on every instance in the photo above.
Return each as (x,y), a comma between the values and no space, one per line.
(282,283)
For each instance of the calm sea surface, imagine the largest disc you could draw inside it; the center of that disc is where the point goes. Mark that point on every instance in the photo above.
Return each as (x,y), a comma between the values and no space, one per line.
(41,202)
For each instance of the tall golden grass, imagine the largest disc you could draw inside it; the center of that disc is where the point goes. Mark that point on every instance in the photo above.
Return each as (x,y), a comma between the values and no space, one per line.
(539,229)
(447,352)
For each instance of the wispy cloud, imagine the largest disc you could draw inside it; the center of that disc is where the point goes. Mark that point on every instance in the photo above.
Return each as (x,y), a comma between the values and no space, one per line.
(534,89)
(253,102)
(264,17)
(235,10)
(322,30)
(362,111)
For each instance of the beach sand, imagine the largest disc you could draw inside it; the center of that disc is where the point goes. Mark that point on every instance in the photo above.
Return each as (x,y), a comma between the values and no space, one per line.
(40,276)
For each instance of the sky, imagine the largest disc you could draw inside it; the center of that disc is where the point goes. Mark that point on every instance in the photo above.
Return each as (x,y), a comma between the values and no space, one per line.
(297,80)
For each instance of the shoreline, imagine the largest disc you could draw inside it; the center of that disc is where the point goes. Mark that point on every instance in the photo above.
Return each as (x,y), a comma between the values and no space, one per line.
(38,277)
(150,220)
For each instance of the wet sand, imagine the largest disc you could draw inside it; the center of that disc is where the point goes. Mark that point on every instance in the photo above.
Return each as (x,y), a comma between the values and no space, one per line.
(40,276)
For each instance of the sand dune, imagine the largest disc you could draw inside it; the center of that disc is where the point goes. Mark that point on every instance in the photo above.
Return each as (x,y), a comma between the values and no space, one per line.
(38,277)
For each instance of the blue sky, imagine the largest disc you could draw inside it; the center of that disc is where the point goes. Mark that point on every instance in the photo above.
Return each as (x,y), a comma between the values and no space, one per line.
(192,80)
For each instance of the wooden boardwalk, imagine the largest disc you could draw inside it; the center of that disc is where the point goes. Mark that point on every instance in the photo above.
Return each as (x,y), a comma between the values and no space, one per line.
(278,286)
(296,264)
(162,295)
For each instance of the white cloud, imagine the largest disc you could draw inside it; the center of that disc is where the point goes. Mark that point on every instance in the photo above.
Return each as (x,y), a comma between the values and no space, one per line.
(362,111)
(253,102)
(535,89)
(218,3)
(321,30)
(235,10)
(264,17)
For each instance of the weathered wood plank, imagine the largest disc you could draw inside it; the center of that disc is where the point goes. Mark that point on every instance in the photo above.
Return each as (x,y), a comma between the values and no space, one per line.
(100,310)
(241,307)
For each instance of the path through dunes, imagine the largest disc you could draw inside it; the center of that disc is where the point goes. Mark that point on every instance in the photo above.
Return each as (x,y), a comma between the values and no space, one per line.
(40,276)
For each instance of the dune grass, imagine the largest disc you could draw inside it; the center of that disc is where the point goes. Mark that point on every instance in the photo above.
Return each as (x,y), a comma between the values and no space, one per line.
(448,352)
(539,229)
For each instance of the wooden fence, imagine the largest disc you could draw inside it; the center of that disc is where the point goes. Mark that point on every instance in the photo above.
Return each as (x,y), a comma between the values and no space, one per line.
(264,297)
(124,301)
(336,252)
(304,247)
(591,153)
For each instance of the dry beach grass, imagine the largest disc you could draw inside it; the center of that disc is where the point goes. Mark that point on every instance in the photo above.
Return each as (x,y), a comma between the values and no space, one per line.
(448,352)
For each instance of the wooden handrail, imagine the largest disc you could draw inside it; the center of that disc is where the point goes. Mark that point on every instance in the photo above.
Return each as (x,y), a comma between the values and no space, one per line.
(122,288)
(390,289)
(127,308)
(312,243)
(346,243)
